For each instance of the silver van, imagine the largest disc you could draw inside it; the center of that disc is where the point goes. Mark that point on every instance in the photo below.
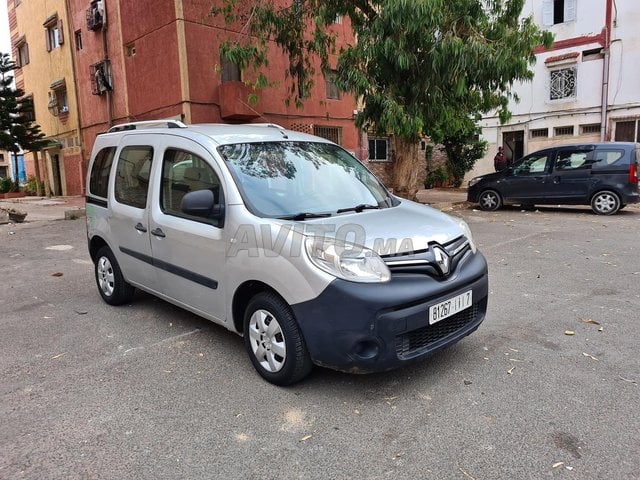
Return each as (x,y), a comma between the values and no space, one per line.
(284,238)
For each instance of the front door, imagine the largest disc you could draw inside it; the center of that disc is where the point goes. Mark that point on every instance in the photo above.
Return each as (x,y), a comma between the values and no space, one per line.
(529,178)
(188,251)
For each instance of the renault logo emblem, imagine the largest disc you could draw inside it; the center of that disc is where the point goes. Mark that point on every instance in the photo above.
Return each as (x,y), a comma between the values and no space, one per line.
(442,259)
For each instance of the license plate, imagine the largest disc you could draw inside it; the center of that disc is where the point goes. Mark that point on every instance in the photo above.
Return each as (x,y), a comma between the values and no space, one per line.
(445,309)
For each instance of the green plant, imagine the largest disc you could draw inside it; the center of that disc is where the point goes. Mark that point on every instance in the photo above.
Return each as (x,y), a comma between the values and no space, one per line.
(436,178)
(7,185)
(32,185)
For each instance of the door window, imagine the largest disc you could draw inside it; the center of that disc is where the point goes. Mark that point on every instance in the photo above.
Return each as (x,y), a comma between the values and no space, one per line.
(571,160)
(532,165)
(184,172)
(132,175)
(99,179)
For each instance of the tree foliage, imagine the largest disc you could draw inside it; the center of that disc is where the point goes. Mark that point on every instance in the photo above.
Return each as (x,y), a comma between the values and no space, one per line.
(17,130)
(420,67)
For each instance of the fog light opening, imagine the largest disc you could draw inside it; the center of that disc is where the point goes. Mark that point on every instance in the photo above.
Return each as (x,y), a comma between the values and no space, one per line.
(366,349)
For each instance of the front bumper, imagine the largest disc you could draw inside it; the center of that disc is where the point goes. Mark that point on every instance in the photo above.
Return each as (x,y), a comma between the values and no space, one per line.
(365,328)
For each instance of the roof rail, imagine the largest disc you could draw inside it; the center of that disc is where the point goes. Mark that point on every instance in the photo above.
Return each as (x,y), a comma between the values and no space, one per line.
(272,125)
(148,123)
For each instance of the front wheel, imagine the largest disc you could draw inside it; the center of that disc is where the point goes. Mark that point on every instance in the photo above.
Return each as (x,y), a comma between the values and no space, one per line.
(112,286)
(490,200)
(273,340)
(605,203)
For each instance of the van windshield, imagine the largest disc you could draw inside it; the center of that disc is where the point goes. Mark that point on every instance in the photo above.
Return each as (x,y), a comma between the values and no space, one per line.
(301,180)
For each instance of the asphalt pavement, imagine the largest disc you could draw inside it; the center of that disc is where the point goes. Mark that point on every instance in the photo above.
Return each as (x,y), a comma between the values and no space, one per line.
(546,388)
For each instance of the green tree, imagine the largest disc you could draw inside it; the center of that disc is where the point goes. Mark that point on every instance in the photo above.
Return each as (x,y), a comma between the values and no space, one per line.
(17,129)
(420,67)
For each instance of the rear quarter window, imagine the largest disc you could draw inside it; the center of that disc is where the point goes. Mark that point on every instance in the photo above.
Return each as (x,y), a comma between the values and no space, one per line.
(99,179)
(605,158)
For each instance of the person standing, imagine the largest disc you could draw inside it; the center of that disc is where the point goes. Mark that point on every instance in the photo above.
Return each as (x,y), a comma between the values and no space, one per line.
(500,161)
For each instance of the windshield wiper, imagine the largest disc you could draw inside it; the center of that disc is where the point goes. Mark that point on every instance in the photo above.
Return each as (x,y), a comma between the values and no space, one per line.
(304,216)
(358,208)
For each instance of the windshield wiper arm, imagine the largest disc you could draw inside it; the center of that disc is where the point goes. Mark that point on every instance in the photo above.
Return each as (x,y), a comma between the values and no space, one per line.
(304,216)
(358,208)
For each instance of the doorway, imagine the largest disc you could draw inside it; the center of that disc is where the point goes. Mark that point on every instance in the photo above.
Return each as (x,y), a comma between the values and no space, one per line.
(57,176)
(513,143)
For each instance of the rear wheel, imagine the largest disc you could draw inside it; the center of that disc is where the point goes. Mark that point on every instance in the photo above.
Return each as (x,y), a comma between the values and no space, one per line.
(111,284)
(274,341)
(605,203)
(490,200)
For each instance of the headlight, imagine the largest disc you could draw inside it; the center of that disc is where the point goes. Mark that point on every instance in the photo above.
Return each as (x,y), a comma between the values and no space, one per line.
(347,261)
(473,181)
(467,233)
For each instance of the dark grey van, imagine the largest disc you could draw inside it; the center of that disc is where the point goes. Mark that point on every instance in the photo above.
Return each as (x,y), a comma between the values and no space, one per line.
(603,175)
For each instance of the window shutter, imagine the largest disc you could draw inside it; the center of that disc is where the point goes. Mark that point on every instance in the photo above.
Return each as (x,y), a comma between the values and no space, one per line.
(18,58)
(25,60)
(60,33)
(569,10)
(47,36)
(547,12)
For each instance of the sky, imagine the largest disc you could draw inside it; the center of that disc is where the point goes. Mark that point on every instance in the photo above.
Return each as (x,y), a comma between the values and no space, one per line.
(5,38)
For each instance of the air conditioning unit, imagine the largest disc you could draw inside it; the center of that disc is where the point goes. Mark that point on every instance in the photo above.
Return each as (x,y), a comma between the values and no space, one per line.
(96,15)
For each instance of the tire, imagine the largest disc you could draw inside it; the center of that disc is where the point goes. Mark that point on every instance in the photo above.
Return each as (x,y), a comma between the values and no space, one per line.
(273,340)
(111,284)
(490,200)
(605,202)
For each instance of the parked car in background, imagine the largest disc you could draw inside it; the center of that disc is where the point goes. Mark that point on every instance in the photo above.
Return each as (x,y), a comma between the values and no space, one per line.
(603,175)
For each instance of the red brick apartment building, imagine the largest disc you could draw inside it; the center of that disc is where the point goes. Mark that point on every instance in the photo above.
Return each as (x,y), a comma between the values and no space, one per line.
(138,60)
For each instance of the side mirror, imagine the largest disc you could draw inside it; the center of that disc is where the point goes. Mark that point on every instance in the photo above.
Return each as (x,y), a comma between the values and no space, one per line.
(201,203)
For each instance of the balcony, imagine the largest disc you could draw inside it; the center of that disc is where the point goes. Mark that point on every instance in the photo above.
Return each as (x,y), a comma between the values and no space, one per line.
(234,102)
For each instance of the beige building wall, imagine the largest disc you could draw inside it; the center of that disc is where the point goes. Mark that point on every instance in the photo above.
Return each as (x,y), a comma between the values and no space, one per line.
(42,47)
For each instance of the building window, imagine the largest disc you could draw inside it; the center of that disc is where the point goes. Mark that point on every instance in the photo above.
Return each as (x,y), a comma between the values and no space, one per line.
(558,11)
(54,35)
(230,71)
(101,81)
(378,149)
(22,51)
(627,131)
(563,131)
(95,15)
(29,112)
(539,133)
(58,103)
(333,134)
(331,87)
(78,38)
(563,83)
(590,129)
(593,54)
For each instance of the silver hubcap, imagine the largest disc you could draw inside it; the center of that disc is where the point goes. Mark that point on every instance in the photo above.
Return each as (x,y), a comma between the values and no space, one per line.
(605,203)
(105,276)
(267,341)
(489,200)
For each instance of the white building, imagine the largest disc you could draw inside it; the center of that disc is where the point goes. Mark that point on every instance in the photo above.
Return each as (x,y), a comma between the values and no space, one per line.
(586,87)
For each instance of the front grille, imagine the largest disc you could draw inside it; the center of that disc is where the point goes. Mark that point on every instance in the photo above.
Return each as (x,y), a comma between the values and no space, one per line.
(409,343)
(423,262)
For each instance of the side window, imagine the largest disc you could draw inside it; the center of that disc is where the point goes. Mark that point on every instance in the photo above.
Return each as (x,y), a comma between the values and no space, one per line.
(571,160)
(604,158)
(132,175)
(99,180)
(184,172)
(533,164)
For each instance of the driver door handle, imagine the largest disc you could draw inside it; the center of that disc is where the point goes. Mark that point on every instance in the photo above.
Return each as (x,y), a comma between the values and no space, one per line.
(140,227)
(158,232)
